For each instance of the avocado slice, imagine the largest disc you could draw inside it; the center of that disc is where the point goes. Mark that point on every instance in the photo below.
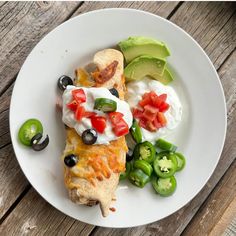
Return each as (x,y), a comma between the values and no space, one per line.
(166,78)
(143,66)
(138,45)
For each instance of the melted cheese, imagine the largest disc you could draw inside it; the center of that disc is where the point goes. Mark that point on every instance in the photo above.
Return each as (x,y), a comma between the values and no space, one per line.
(94,161)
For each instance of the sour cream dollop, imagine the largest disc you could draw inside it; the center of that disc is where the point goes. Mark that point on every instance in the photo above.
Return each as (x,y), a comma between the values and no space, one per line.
(68,117)
(136,90)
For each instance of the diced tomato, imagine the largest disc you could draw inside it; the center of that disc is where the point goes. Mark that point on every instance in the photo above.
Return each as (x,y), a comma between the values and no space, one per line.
(150,112)
(145,95)
(119,125)
(137,113)
(79,113)
(72,105)
(149,116)
(157,102)
(121,128)
(151,109)
(150,126)
(89,114)
(115,117)
(153,96)
(142,123)
(98,123)
(79,95)
(145,101)
(161,118)
(163,97)
(156,123)
(164,107)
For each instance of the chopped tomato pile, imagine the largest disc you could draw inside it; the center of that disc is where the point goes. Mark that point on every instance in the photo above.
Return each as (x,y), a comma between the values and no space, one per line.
(150,111)
(119,126)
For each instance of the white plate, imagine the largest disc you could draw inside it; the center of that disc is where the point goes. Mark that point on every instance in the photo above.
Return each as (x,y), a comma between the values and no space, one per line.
(200,136)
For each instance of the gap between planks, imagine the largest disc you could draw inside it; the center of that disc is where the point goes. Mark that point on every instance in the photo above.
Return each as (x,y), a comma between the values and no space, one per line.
(218,184)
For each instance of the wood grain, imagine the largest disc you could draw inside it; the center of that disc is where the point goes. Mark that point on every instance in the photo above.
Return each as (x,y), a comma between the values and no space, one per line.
(41,219)
(163,9)
(13,182)
(212,25)
(219,209)
(22,25)
(231,229)
(4,117)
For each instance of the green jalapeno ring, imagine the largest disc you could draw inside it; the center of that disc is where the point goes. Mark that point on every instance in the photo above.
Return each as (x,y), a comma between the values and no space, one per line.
(144,166)
(165,187)
(105,104)
(145,151)
(125,174)
(136,132)
(138,178)
(180,161)
(164,145)
(165,164)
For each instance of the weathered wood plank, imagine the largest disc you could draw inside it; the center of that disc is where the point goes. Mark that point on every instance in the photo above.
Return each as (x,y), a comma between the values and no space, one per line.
(231,229)
(4,117)
(181,218)
(13,181)
(22,25)
(160,8)
(41,219)
(212,25)
(220,206)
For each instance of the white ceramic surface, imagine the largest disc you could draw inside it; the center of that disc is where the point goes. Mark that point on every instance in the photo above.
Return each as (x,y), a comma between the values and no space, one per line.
(200,136)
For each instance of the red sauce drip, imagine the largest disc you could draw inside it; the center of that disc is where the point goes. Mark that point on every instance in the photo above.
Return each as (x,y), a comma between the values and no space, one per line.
(112,209)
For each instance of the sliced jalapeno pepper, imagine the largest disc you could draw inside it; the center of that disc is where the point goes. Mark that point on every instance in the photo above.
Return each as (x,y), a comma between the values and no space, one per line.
(165,187)
(128,167)
(164,145)
(144,166)
(165,164)
(138,178)
(144,151)
(105,105)
(136,132)
(180,161)
(28,130)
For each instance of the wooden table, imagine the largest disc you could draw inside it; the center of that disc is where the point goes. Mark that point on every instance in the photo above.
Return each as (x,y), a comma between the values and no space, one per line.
(22,209)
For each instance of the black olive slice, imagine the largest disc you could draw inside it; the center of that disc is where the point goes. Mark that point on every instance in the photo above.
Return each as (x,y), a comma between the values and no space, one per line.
(129,155)
(114,92)
(36,138)
(89,136)
(39,146)
(70,160)
(64,81)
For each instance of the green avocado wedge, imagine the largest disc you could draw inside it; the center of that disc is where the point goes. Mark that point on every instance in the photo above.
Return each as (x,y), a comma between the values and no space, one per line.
(166,78)
(137,46)
(145,66)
